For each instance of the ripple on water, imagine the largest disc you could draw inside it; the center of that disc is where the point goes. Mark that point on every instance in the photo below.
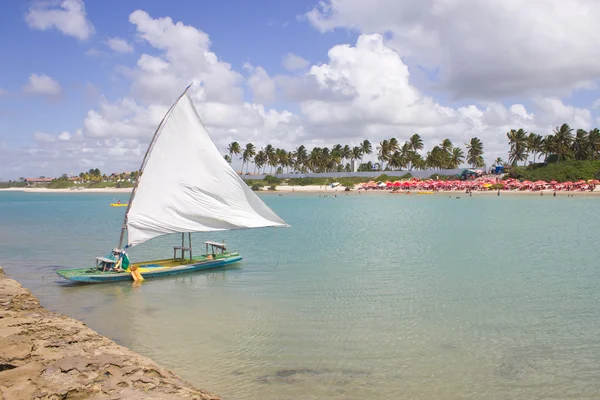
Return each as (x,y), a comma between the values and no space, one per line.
(369,296)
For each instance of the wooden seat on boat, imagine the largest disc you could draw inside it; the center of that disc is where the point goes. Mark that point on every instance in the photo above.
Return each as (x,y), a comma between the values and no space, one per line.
(183,250)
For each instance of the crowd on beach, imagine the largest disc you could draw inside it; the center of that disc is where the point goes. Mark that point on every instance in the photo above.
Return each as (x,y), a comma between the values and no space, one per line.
(480,184)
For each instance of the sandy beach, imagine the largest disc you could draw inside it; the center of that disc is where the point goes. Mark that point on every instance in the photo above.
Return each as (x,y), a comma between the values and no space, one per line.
(44,190)
(325,189)
(341,190)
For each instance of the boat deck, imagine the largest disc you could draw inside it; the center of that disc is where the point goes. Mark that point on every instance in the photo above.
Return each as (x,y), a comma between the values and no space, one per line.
(175,262)
(151,269)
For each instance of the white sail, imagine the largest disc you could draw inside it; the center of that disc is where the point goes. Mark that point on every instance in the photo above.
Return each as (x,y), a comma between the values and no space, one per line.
(187,186)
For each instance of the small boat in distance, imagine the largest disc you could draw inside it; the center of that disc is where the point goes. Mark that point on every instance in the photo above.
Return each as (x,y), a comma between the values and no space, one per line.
(119,204)
(185,185)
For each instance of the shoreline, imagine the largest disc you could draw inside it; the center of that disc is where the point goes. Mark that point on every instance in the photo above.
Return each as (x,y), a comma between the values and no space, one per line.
(48,355)
(340,191)
(44,190)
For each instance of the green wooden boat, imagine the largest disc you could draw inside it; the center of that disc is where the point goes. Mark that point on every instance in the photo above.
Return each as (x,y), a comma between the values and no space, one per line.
(185,185)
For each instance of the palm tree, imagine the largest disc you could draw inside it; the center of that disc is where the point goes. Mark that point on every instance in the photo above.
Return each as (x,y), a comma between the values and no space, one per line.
(435,158)
(580,146)
(248,155)
(233,148)
(301,157)
(446,147)
(406,153)
(456,158)
(548,146)
(518,146)
(365,148)
(535,144)
(291,159)
(416,143)
(356,154)
(594,142)
(281,158)
(227,158)
(563,139)
(271,155)
(394,145)
(345,152)
(259,160)
(475,153)
(383,151)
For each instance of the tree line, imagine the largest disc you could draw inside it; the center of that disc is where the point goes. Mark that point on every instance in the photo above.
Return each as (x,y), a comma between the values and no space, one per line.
(339,158)
(558,146)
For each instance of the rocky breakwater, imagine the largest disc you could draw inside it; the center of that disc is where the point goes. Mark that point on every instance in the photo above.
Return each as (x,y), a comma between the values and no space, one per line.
(45,355)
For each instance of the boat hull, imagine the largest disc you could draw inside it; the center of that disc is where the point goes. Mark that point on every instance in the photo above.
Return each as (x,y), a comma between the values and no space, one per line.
(118,205)
(148,270)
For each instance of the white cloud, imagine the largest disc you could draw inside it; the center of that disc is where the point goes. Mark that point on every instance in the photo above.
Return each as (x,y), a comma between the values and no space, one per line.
(554,111)
(293,62)
(69,18)
(596,104)
(44,137)
(485,49)
(42,84)
(119,45)
(64,136)
(362,91)
(262,86)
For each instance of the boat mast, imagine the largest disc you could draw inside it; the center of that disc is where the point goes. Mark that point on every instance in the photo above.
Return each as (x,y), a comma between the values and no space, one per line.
(141,170)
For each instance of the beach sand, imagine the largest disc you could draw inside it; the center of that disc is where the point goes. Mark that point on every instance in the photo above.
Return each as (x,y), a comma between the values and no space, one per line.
(341,190)
(44,190)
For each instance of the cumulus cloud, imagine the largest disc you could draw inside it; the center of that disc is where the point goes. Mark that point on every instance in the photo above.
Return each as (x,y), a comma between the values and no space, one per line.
(484,49)
(64,136)
(69,18)
(262,86)
(365,91)
(293,62)
(361,91)
(119,45)
(42,84)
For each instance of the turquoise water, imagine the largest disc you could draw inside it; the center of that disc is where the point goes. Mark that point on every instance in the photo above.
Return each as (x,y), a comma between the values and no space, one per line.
(366,296)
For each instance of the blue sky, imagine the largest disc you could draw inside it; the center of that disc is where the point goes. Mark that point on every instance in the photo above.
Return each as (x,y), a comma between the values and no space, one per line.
(258,32)
(404,67)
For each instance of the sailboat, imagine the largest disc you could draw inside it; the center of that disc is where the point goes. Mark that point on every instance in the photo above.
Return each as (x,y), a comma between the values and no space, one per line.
(184,186)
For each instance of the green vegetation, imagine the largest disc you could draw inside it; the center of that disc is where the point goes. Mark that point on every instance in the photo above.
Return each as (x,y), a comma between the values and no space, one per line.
(558,147)
(566,171)
(60,184)
(12,184)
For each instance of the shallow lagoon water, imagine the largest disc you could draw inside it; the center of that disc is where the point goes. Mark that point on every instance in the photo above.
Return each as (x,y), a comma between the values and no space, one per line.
(366,296)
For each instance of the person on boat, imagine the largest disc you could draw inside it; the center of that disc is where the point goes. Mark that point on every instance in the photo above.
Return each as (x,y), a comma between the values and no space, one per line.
(118,201)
